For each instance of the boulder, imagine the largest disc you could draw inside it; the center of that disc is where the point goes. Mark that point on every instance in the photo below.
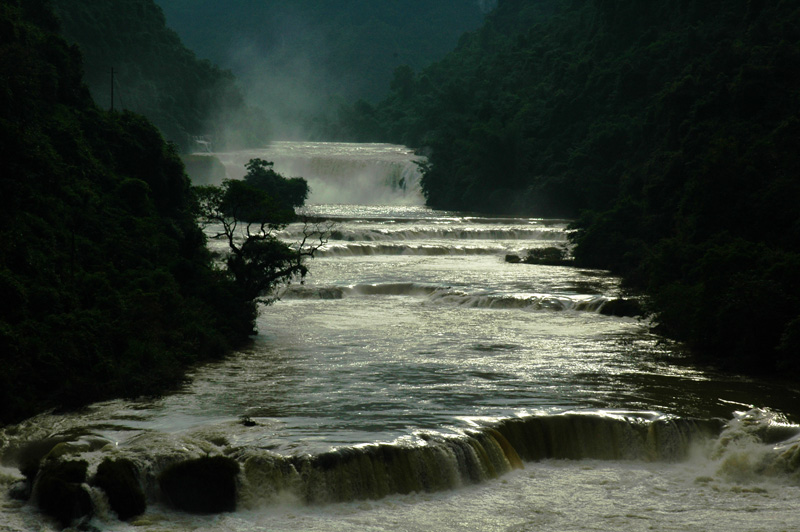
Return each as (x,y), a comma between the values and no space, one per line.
(119,479)
(60,491)
(549,256)
(20,490)
(29,456)
(204,485)
(624,308)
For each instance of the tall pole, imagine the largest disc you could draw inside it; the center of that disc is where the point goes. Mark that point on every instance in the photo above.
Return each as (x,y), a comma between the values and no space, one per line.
(112,89)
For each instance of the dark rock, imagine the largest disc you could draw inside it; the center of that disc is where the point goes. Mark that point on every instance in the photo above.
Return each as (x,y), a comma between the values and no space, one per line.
(85,525)
(60,492)
(790,347)
(623,308)
(20,490)
(513,259)
(205,485)
(29,456)
(120,480)
(550,256)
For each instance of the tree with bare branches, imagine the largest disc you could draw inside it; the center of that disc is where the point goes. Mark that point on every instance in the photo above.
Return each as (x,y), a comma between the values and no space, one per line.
(248,218)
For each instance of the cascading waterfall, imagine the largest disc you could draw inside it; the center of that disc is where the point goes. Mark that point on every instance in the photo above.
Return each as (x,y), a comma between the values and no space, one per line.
(431,461)
(436,295)
(434,462)
(366,174)
(416,380)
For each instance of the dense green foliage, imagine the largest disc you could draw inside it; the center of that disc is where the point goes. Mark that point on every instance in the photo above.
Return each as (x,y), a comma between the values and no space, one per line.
(671,126)
(106,286)
(247,214)
(297,58)
(292,192)
(156,75)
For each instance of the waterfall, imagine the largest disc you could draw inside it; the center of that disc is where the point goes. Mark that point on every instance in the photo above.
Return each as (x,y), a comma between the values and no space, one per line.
(214,473)
(341,173)
(434,462)
(425,461)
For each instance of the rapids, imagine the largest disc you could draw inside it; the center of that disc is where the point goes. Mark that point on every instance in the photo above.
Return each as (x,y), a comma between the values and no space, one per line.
(417,381)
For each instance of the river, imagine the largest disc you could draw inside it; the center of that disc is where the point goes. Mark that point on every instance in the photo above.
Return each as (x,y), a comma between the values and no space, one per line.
(417,381)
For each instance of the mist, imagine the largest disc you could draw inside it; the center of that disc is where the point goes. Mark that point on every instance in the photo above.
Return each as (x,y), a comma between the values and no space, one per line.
(487,5)
(290,85)
(299,62)
(341,173)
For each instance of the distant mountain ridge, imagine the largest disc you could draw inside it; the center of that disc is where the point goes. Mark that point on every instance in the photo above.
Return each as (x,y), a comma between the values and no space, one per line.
(107,288)
(155,74)
(300,59)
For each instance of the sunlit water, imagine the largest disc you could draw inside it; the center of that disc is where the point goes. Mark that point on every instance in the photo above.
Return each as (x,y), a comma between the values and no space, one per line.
(344,173)
(413,330)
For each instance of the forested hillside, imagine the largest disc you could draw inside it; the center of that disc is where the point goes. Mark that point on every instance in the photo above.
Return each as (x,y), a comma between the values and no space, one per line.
(671,128)
(106,286)
(156,75)
(300,59)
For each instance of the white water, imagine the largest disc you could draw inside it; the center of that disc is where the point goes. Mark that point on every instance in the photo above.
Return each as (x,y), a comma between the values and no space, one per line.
(413,331)
(364,174)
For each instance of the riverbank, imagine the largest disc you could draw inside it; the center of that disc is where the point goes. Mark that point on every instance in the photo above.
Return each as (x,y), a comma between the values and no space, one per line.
(416,369)
(668,130)
(106,286)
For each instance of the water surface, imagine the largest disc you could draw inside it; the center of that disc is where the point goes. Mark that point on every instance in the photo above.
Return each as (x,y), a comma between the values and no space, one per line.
(413,338)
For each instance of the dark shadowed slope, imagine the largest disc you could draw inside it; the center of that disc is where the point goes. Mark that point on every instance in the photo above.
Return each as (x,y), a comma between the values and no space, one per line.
(672,126)
(156,75)
(106,286)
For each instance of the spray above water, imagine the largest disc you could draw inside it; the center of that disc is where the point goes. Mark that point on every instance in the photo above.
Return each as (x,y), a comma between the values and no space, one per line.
(342,173)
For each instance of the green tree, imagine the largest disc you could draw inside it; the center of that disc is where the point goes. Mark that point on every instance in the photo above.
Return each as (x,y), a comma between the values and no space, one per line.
(667,130)
(292,192)
(107,288)
(155,74)
(247,215)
